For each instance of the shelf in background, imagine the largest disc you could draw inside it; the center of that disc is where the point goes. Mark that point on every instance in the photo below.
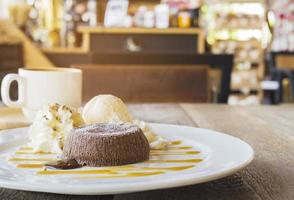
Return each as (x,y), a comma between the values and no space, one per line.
(33,57)
(65,50)
(238,28)
(241,1)
(134,30)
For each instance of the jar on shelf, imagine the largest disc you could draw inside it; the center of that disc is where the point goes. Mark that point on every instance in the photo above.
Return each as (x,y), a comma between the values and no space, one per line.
(148,19)
(184,19)
(161,16)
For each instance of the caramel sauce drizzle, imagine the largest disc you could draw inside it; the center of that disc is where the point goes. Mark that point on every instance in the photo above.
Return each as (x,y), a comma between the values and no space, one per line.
(176,142)
(33,153)
(131,174)
(31,166)
(154,153)
(175,161)
(181,147)
(111,170)
(180,168)
(30,159)
(115,171)
(172,148)
(120,168)
(94,171)
(25,149)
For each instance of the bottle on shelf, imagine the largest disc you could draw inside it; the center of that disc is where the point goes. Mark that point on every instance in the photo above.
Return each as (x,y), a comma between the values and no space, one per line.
(92,12)
(161,16)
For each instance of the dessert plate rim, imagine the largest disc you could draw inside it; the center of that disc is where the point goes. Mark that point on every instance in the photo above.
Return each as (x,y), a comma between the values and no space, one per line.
(245,151)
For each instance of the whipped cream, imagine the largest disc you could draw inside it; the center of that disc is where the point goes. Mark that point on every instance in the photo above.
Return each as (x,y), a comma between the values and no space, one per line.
(51,126)
(111,109)
(155,141)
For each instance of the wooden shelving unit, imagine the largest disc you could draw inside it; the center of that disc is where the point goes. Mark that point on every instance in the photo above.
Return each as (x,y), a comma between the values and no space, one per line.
(64,50)
(237,27)
(134,4)
(33,57)
(175,40)
(182,31)
(86,31)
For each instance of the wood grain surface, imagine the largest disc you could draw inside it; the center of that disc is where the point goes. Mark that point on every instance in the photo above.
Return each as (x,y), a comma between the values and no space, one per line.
(147,83)
(167,31)
(268,129)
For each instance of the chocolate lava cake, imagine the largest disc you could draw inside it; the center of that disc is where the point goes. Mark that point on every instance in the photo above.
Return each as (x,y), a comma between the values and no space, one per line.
(106,145)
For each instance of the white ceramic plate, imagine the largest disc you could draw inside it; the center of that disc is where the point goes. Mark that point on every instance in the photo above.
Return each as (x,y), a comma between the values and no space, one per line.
(221,155)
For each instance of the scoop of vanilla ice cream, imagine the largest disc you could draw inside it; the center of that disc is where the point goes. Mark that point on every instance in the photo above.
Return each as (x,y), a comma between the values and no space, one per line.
(51,126)
(106,109)
(111,109)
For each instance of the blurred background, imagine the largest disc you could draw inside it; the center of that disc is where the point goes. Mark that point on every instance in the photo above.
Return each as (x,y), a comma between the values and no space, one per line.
(238,52)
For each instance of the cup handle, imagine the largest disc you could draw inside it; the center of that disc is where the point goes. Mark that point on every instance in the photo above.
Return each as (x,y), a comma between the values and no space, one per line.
(7,80)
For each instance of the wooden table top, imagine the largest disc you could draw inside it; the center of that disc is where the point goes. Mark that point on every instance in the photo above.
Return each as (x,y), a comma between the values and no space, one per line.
(268,129)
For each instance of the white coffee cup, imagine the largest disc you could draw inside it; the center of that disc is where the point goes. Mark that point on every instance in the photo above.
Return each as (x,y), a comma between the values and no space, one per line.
(39,87)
